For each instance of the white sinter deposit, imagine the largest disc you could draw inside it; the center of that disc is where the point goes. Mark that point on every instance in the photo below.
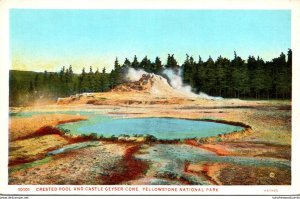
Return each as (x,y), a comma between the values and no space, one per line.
(161,87)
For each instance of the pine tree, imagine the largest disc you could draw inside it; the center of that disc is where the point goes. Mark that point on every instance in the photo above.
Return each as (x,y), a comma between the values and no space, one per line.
(135,64)
(240,80)
(146,65)
(157,65)
(97,72)
(115,75)
(258,78)
(222,65)
(289,73)
(117,65)
(62,73)
(199,75)
(187,71)
(126,63)
(282,85)
(71,71)
(91,70)
(82,79)
(210,79)
(69,78)
(172,63)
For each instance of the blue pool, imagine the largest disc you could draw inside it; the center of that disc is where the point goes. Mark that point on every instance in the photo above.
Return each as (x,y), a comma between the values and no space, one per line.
(161,128)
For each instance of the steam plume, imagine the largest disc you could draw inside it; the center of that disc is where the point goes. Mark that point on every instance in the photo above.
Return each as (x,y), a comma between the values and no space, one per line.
(175,82)
(133,75)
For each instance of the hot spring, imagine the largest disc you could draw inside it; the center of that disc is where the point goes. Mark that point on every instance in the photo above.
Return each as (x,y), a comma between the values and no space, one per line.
(161,128)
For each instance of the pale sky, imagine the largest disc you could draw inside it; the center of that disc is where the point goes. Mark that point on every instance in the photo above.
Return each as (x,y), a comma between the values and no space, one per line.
(48,39)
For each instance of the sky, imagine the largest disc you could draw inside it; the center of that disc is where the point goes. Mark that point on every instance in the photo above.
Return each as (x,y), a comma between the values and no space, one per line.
(44,39)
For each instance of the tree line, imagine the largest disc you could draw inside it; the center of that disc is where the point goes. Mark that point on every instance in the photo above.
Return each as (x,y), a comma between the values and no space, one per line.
(27,87)
(254,78)
(251,78)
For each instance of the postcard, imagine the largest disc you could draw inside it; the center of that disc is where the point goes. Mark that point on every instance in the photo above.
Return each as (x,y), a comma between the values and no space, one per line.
(135,98)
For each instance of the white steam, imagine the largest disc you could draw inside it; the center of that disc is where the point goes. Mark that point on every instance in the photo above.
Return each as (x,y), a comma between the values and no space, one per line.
(175,82)
(133,75)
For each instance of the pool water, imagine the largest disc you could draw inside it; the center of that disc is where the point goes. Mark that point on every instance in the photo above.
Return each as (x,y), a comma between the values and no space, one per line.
(161,128)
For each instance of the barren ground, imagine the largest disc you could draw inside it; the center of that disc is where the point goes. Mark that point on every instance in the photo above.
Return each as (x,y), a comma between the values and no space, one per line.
(130,162)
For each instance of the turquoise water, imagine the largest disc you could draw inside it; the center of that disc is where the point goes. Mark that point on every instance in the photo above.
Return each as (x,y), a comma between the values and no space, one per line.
(173,158)
(161,128)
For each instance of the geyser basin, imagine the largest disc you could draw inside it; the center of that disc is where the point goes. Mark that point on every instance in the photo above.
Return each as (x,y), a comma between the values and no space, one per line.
(161,128)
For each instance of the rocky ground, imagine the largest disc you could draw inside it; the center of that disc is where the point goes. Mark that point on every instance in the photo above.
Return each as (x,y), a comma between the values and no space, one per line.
(40,153)
(132,163)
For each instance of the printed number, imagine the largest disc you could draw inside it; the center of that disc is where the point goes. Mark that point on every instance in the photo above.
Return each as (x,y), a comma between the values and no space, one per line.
(23,189)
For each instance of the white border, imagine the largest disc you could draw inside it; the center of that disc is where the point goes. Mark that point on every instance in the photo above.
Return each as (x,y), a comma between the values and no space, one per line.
(153,4)
(293,5)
